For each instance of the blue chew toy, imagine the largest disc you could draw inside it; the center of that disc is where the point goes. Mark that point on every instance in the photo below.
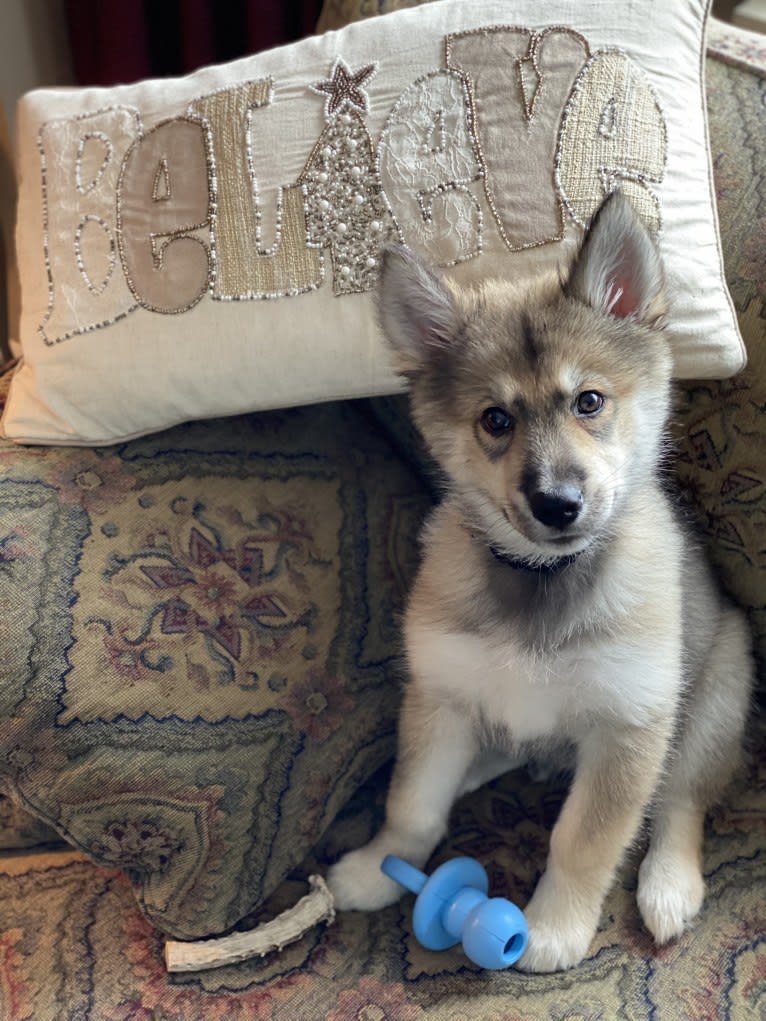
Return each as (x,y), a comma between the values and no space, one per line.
(453,904)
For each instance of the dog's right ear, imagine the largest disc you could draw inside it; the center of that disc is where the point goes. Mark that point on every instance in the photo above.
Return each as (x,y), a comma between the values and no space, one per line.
(618,269)
(416,308)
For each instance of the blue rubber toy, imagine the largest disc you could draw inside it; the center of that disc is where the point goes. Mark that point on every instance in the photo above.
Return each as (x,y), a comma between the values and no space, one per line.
(453,905)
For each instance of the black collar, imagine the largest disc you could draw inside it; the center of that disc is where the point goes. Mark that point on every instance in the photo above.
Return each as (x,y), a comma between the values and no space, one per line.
(540,570)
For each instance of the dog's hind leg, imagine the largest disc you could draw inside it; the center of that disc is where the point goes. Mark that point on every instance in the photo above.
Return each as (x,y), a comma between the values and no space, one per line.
(437,744)
(671,886)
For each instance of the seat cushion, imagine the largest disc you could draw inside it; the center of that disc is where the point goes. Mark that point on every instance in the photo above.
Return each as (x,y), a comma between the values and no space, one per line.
(200,644)
(74,944)
(719,425)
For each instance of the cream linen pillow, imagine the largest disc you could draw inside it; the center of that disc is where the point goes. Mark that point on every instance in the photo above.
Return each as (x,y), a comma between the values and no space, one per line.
(208,245)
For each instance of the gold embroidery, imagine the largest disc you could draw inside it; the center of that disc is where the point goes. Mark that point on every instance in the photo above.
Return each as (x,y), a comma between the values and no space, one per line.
(242,269)
(613,135)
(519,78)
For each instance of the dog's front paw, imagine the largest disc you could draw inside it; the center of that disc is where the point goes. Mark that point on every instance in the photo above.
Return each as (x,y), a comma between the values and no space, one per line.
(670,895)
(357,884)
(559,932)
(555,946)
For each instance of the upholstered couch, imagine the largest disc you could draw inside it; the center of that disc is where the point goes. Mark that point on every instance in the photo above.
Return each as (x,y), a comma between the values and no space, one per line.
(199,674)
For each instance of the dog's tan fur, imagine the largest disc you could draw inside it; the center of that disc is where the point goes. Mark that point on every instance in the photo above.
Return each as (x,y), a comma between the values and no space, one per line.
(561,608)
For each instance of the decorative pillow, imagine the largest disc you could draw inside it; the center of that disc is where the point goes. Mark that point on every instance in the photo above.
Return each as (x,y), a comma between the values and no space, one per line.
(207,245)
(199,646)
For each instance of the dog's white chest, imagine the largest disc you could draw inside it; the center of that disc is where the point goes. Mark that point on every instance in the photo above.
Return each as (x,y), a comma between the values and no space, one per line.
(506,686)
(539,696)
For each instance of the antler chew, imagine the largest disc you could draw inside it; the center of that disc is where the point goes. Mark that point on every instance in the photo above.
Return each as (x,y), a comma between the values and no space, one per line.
(317,906)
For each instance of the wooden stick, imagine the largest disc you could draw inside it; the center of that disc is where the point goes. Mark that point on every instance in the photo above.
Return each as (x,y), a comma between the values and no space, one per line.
(317,906)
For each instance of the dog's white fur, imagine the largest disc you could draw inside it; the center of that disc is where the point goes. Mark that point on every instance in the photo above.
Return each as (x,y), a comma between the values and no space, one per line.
(603,639)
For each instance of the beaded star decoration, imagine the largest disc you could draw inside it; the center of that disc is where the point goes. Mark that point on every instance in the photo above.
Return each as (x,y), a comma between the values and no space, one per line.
(345,87)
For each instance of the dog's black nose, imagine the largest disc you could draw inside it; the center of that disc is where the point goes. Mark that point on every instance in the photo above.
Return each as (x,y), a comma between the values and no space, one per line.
(558,507)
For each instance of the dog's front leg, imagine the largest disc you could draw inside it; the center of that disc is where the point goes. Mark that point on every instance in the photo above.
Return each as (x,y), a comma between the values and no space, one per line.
(437,744)
(616,775)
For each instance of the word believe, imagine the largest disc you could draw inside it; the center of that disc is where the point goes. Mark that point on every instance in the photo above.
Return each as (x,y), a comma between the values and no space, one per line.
(161,217)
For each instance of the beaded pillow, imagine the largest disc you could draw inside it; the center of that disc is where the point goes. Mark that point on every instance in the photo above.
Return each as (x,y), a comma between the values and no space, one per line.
(209,244)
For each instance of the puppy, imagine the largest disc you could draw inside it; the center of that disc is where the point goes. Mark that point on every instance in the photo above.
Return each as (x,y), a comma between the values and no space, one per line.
(560,608)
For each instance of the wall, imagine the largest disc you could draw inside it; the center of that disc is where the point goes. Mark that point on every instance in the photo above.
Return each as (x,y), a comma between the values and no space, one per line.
(34,50)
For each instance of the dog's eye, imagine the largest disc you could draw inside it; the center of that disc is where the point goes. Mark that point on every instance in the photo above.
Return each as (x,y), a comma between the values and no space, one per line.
(589,403)
(495,421)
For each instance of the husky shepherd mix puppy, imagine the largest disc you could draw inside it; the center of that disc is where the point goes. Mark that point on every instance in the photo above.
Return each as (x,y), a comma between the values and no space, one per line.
(560,607)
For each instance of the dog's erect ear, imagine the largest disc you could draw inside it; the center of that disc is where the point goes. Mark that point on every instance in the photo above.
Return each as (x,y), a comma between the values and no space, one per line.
(416,308)
(618,269)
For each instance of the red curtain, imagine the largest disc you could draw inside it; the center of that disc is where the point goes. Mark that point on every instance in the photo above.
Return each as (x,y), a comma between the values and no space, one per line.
(132,39)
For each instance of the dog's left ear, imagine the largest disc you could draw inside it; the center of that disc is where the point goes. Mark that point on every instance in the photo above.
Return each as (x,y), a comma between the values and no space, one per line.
(618,269)
(416,308)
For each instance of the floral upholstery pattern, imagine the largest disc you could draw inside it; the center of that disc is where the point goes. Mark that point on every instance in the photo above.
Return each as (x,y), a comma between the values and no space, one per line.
(73,942)
(199,645)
